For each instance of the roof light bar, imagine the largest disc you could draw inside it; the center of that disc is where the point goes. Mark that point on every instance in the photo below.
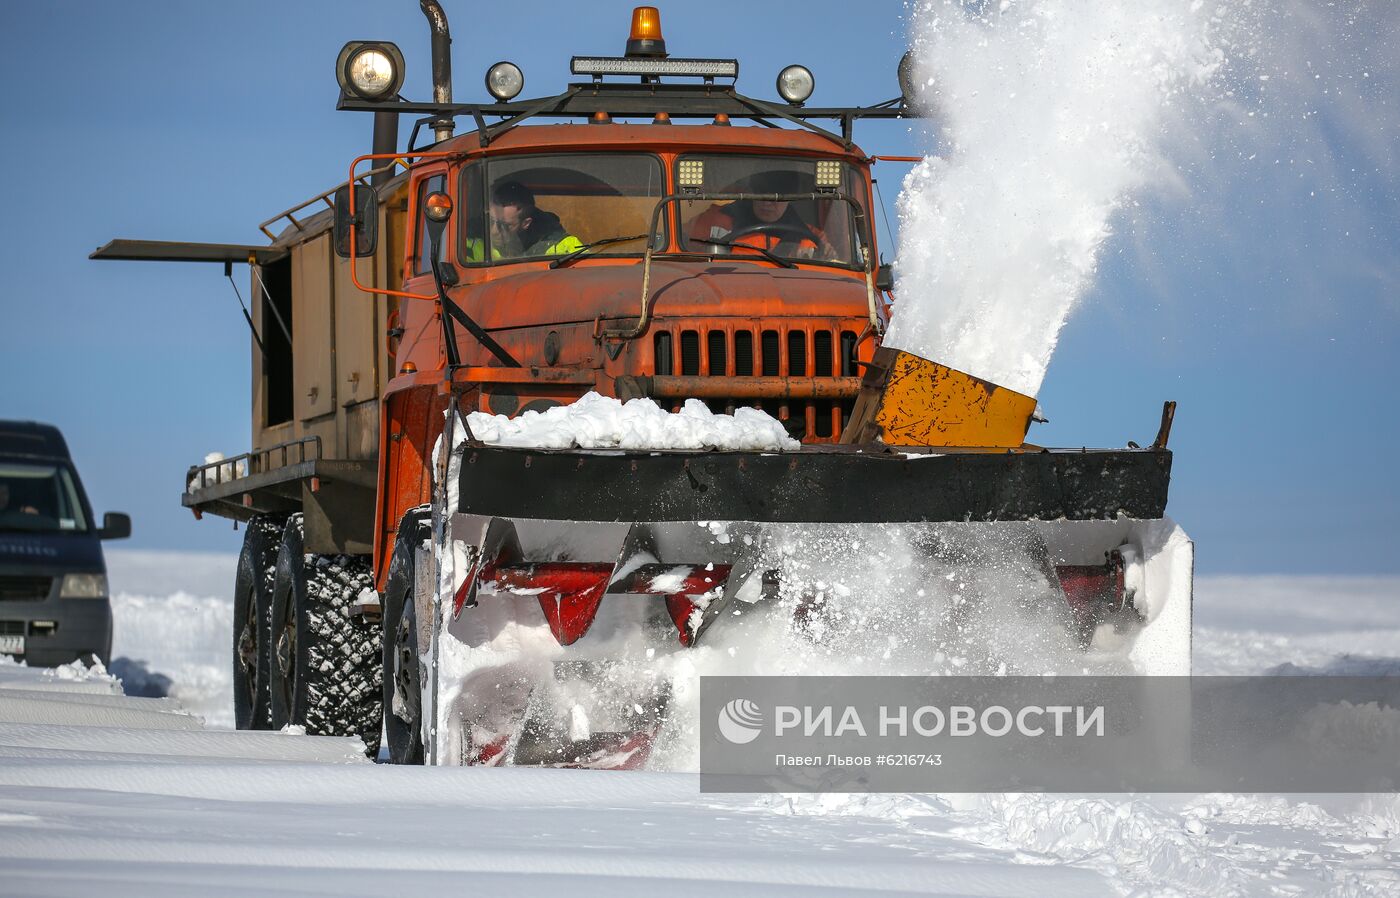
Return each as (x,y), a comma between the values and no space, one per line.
(598,66)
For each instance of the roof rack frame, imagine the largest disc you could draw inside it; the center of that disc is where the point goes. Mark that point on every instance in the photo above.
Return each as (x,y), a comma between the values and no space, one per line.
(678,101)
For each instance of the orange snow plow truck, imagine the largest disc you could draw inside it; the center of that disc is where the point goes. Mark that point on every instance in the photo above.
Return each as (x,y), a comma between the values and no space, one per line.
(649,234)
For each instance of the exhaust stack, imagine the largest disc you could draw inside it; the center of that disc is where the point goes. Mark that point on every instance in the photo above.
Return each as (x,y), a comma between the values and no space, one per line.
(442,64)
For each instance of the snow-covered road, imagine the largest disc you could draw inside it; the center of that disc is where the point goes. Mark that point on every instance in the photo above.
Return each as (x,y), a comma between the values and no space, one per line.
(110,795)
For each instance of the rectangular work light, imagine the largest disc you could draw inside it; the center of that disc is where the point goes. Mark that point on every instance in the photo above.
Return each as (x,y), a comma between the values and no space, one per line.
(690,173)
(828,174)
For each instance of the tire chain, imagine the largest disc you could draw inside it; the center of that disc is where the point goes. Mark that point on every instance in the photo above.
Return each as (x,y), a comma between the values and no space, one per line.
(344,680)
(272,529)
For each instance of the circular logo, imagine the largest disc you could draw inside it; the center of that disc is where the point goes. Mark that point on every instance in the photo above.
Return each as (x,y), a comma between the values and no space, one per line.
(740,721)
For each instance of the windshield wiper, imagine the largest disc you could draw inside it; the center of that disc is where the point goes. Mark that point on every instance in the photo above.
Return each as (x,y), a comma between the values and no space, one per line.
(758,249)
(565,260)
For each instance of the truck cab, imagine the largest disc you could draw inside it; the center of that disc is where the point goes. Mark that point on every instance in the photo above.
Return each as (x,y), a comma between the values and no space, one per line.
(785,320)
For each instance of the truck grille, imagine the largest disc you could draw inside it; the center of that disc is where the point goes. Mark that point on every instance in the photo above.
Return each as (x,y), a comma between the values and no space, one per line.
(815,350)
(22,588)
(13,627)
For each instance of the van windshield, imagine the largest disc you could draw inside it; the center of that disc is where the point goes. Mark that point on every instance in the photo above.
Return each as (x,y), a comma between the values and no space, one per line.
(39,498)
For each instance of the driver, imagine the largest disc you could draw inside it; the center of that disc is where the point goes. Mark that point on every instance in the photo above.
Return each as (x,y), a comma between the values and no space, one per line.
(789,235)
(520,228)
(13,511)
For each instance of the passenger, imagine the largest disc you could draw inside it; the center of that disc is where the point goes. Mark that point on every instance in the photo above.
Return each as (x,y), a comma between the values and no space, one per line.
(520,228)
(789,236)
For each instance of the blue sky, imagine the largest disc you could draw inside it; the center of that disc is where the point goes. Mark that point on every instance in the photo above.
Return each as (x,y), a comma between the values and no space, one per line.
(1262,295)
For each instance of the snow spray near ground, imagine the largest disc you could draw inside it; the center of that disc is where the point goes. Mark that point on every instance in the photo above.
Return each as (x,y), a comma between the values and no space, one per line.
(884,599)
(601,422)
(1051,113)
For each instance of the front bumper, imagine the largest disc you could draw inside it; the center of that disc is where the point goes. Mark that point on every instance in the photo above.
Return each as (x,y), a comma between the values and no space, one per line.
(57,631)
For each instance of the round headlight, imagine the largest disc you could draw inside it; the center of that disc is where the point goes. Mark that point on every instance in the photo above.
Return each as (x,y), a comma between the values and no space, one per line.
(795,84)
(371,72)
(438,207)
(504,81)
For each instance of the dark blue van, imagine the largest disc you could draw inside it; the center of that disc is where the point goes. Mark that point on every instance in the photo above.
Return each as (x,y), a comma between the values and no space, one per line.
(54,605)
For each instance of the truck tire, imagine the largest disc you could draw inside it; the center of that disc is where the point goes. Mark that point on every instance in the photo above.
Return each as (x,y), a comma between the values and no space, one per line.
(325,671)
(403,672)
(252,622)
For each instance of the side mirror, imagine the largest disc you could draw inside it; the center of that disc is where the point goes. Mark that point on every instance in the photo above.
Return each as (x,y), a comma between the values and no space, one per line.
(365,217)
(115,525)
(884,278)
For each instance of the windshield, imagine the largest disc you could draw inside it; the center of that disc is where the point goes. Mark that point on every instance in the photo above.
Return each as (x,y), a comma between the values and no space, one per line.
(527,207)
(815,230)
(38,498)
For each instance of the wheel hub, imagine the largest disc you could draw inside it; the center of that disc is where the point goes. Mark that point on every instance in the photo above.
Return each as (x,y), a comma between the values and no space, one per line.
(406,673)
(286,648)
(247,648)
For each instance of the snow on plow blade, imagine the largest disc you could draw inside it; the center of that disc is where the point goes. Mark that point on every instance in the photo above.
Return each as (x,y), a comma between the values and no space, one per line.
(584,592)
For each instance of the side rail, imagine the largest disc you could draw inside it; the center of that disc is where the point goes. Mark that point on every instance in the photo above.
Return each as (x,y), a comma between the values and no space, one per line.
(260,461)
(325,197)
(336,495)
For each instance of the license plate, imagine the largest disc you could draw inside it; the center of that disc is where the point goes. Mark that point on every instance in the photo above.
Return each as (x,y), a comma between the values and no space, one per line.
(11,645)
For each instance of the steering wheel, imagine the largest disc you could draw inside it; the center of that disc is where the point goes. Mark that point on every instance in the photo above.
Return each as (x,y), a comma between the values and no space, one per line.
(797,232)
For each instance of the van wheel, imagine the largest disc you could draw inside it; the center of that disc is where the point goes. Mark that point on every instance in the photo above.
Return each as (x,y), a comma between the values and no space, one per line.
(403,671)
(252,620)
(325,671)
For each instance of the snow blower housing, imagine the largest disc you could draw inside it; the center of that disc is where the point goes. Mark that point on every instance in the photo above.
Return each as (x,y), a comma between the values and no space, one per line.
(648,233)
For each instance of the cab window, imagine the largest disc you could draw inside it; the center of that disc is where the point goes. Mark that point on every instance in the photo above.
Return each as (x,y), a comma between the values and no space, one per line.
(818,230)
(529,207)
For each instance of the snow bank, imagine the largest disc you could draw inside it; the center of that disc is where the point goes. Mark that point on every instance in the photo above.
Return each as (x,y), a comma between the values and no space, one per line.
(1337,625)
(172,628)
(601,422)
(73,679)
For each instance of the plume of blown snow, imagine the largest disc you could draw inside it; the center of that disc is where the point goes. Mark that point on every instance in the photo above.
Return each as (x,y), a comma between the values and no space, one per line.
(1051,114)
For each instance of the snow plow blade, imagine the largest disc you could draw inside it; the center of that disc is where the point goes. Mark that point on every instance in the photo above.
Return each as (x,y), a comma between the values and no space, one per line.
(582,592)
(827,484)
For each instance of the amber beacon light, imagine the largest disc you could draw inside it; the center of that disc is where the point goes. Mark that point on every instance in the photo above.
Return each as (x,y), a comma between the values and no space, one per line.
(646,39)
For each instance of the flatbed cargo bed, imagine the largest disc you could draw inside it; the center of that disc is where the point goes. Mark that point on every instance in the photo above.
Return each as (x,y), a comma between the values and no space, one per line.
(335,495)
